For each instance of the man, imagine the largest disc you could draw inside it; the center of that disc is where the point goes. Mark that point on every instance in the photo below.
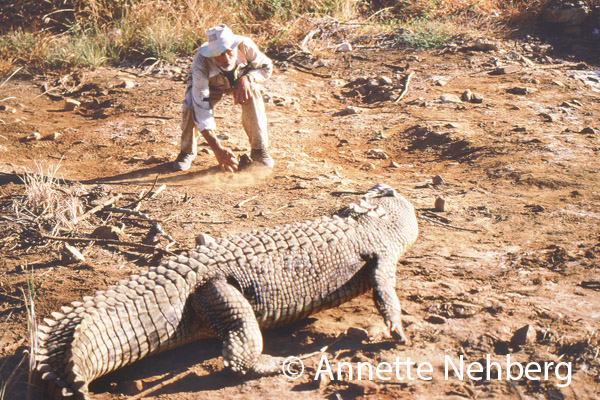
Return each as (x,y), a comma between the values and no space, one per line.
(225,63)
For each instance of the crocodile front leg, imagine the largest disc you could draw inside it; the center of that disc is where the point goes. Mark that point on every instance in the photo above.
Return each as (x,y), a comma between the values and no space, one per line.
(232,319)
(386,299)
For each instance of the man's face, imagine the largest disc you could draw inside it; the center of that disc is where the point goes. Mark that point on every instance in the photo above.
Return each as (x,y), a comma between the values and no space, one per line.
(226,60)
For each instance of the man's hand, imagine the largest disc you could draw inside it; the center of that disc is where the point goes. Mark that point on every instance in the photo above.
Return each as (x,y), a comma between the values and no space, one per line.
(225,156)
(227,160)
(242,90)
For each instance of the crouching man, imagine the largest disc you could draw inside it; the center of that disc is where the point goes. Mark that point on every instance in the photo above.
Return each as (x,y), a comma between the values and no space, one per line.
(225,63)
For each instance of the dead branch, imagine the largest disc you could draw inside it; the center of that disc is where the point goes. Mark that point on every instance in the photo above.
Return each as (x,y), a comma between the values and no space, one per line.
(164,383)
(448,225)
(307,70)
(156,227)
(148,248)
(94,210)
(241,203)
(144,197)
(405,87)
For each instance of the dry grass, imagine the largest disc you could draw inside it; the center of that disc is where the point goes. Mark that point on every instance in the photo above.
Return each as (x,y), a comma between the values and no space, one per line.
(90,33)
(47,203)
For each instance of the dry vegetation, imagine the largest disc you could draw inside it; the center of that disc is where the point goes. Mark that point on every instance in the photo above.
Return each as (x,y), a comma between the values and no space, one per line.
(89,33)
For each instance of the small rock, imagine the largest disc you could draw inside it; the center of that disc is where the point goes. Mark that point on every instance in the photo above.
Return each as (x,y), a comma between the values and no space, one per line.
(71,104)
(439,82)
(547,117)
(477,98)
(52,136)
(203,239)
(33,137)
(376,153)
(508,69)
(223,136)
(127,84)
(440,204)
(467,96)
(577,103)
(357,333)
(110,232)
(437,180)
(132,388)
(522,336)
(394,164)
(558,83)
(346,111)
(364,387)
(450,98)
(588,131)
(436,319)
(368,167)
(484,45)
(385,81)
(520,90)
(344,48)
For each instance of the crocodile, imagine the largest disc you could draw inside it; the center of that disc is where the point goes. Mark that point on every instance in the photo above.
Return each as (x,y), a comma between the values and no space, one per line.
(232,288)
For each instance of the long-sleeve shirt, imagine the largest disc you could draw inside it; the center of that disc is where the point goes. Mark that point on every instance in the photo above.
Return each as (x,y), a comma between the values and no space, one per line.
(205,74)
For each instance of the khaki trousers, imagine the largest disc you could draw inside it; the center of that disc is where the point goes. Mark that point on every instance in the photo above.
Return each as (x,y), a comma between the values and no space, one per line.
(254,117)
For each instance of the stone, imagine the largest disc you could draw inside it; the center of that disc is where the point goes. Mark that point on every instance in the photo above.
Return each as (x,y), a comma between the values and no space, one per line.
(588,131)
(71,104)
(109,232)
(203,239)
(344,48)
(385,81)
(435,319)
(437,180)
(440,204)
(127,84)
(450,98)
(467,96)
(568,15)
(477,98)
(440,82)
(346,111)
(520,90)
(547,117)
(522,336)
(558,83)
(52,136)
(507,69)
(377,154)
(33,137)
(484,45)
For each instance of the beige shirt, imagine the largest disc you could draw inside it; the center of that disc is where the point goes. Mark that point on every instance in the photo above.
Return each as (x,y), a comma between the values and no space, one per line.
(204,73)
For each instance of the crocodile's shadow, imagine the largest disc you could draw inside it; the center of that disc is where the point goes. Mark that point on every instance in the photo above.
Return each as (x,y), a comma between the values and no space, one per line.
(280,342)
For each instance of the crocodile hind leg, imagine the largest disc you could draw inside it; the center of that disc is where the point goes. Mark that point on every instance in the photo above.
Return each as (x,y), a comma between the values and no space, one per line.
(386,299)
(232,319)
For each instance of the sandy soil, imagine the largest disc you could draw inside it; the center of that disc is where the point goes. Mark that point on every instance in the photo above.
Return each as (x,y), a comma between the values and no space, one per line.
(519,178)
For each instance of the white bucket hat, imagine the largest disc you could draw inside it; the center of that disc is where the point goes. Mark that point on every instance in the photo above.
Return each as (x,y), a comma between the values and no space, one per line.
(219,39)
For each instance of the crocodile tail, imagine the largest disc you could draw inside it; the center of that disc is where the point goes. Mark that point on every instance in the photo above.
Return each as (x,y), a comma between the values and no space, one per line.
(116,327)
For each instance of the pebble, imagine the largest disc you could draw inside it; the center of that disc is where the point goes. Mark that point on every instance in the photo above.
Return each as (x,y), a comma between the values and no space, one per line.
(467,96)
(385,81)
(344,48)
(53,136)
(436,319)
(346,111)
(376,153)
(440,204)
(558,83)
(203,239)
(127,84)
(508,69)
(547,117)
(521,90)
(71,104)
(107,232)
(477,98)
(437,180)
(588,131)
(523,335)
(440,82)
(450,98)
(32,137)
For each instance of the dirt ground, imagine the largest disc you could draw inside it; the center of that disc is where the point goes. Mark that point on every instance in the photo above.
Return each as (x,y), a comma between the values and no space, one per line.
(520,178)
